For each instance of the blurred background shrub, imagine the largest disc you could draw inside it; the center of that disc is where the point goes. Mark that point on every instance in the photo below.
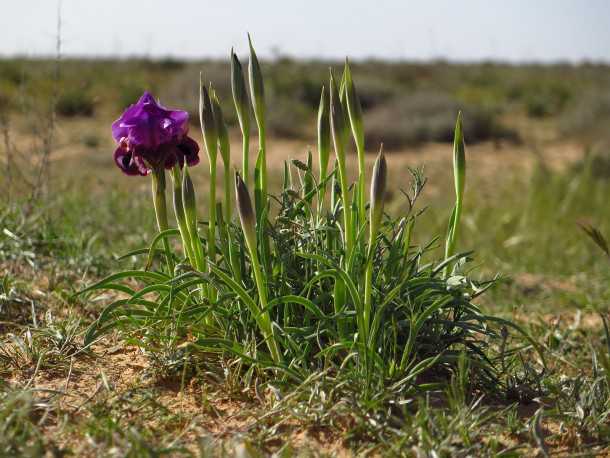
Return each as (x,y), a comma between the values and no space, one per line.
(75,102)
(405,104)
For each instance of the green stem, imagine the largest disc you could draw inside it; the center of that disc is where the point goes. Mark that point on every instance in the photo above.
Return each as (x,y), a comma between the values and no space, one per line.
(246,157)
(346,204)
(212,217)
(262,148)
(180,216)
(368,289)
(227,185)
(453,231)
(262,292)
(265,319)
(158,191)
(361,183)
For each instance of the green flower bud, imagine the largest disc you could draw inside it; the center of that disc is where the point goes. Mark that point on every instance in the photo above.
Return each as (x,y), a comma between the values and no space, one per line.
(221,129)
(379,183)
(337,118)
(323,134)
(459,157)
(257,89)
(188,199)
(246,212)
(240,95)
(354,108)
(208,124)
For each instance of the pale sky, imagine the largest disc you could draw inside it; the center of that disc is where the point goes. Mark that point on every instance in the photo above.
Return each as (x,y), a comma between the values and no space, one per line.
(517,30)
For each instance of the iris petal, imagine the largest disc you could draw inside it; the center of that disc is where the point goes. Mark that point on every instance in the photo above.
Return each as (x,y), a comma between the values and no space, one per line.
(125,160)
(190,150)
(155,135)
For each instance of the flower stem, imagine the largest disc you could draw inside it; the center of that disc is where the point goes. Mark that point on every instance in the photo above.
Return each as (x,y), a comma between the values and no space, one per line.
(347,212)
(158,191)
(212,218)
(227,185)
(180,216)
(246,157)
(265,318)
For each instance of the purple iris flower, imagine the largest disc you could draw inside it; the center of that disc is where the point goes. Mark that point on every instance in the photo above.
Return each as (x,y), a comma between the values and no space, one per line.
(151,136)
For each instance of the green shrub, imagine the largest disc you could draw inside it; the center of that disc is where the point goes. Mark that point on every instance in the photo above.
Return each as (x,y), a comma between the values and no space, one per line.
(588,117)
(91,140)
(75,102)
(429,117)
(542,98)
(312,281)
(129,94)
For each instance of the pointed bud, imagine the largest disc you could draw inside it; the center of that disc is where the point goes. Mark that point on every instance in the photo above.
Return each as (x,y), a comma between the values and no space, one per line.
(353,107)
(221,129)
(337,118)
(245,211)
(378,190)
(335,189)
(459,157)
(188,199)
(240,95)
(208,124)
(323,134)
(257,90)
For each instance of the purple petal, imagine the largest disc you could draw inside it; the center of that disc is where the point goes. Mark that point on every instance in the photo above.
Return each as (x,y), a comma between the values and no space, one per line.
(190,150)
(154,135)
(171,159)
(125,160)
(141,165)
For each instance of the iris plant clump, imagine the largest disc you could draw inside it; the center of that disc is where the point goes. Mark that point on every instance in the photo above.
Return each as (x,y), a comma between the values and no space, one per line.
(318,278)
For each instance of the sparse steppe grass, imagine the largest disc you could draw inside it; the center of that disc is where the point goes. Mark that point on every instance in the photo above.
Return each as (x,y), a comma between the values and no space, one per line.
(131,404)
(132,393)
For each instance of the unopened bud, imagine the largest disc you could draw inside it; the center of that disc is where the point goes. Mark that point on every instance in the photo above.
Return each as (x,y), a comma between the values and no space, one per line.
(378,190)
(354,108)
(459,157)
(208,124)
(257,89)
(188,200)
(245,211)
(323,134)
(337,117)
(240,95)
(221,129)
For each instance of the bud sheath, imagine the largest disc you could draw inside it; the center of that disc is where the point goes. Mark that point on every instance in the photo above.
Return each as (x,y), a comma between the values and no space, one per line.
(323,134)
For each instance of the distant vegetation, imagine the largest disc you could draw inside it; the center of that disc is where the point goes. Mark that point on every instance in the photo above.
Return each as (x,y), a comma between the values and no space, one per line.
(405,104)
